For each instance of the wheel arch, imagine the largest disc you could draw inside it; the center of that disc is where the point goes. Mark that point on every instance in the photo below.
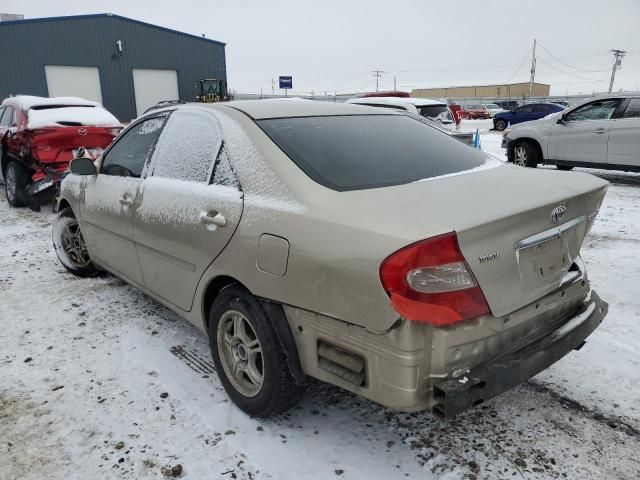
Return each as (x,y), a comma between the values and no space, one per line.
(532,141)
(274,311)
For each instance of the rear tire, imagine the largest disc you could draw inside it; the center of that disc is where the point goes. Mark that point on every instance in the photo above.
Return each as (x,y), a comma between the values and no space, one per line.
(249,359)
(500,125)
(564,167)
(70,246)
(16,179)
(525,154)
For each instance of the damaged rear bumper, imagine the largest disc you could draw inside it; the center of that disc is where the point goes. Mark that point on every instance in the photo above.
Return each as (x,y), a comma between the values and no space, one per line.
(486,381)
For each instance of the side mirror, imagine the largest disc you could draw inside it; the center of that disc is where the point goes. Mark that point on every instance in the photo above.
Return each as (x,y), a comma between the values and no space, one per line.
(563,118)
(82,166)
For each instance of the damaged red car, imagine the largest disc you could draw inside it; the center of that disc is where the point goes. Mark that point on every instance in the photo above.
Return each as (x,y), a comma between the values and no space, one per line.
(40,136)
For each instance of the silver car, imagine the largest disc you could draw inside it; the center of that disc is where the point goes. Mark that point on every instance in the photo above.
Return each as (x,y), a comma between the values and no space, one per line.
(354,245)
(601,133)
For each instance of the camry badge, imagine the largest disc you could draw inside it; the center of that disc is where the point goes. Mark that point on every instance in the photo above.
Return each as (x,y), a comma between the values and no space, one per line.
(557,214)
(489,257)
(82,131)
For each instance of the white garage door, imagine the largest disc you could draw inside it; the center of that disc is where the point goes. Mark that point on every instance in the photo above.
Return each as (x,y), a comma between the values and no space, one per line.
(64,81)
(152,86)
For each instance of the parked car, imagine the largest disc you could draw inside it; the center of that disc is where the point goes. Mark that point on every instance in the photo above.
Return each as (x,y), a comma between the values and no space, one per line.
(38,137)
(312,239)
(493,108)
(507,104)
(564,103)
(525,113)
(433,110)
(475,112)
(600,133)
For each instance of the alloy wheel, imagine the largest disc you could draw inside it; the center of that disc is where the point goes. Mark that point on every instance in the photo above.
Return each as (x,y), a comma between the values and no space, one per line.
(240,353)
(10,183)
(74,246)
(520,156)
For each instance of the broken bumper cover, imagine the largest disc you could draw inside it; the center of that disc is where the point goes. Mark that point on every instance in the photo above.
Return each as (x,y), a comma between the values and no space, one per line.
(486,381)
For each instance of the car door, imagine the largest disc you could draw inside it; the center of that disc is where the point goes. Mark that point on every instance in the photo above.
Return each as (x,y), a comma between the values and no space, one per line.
(582,134)
(110,198)
(624,136)
(522,114)
(190,206)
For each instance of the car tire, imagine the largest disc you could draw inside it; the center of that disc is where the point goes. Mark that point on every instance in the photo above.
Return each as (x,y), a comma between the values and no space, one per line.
(16,179)
(565,168)
(525,154)
(243,340)
(70,246)
(500,125)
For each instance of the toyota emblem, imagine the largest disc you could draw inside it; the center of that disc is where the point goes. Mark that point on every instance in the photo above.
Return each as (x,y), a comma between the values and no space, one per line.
(557,214)
(82,131)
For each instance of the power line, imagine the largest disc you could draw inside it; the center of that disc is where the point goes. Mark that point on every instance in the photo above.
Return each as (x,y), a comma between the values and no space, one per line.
(566,64)
(378,74)
(526,57)
(568,73)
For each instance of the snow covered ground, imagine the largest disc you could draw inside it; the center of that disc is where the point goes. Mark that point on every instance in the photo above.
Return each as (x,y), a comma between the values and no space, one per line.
(99,381)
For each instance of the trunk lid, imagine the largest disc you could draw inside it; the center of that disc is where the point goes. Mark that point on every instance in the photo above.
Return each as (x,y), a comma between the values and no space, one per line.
(56,144)
(517,250)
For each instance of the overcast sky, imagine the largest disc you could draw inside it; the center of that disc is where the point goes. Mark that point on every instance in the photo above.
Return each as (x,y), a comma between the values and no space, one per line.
(334,45)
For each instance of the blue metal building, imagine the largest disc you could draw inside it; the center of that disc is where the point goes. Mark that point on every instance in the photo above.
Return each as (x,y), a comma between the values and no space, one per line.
(125,64)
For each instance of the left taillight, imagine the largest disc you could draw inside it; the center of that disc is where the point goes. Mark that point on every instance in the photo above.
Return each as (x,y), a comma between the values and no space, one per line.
(431,282)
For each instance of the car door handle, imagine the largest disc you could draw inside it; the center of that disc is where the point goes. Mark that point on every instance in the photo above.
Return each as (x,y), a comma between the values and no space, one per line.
(126,200)
(600,131)
(213,217)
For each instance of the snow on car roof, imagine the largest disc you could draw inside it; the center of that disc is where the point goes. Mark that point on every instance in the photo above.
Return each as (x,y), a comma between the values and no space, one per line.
(277,108)
(27,102)
(418,102)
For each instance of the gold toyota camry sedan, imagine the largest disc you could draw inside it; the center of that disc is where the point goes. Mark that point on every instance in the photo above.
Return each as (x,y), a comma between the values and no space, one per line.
(358,246)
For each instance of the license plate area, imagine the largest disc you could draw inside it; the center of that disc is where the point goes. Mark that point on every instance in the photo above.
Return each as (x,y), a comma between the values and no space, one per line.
(544,262)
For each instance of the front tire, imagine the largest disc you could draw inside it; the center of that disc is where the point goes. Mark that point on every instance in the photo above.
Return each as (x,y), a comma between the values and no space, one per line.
(16,179)
(525,154)
(70,246)
(500,125)
(249,359)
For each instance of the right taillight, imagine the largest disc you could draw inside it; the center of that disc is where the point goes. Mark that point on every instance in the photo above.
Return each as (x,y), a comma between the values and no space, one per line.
(430,282)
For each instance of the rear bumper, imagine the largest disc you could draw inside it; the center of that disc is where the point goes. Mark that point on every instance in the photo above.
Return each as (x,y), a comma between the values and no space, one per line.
(486,381)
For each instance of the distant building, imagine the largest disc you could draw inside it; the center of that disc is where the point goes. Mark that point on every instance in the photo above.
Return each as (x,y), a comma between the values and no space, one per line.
(490,91)
(125,64)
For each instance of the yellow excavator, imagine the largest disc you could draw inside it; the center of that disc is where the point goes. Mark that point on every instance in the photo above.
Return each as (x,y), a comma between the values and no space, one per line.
(213,90)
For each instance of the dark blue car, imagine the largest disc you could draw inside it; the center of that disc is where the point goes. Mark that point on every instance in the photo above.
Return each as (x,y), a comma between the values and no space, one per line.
(525,113)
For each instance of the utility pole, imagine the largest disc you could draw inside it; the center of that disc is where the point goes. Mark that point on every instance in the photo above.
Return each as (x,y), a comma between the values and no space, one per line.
(533,69)
(273,86)
(378,74)
(394,84)
(618,55)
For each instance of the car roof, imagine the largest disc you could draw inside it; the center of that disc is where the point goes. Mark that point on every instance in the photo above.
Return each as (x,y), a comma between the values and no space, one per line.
(296,107)
(418,102)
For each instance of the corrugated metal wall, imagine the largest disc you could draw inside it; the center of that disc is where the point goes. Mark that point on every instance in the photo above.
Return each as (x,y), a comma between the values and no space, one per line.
(90,41)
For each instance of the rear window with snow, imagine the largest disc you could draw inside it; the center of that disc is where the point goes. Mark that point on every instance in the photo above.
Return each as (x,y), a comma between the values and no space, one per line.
(41,116)
(188,147)
(368,151)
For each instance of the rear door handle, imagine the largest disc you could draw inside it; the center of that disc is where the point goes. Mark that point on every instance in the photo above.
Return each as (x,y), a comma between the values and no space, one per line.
(213,217)
(126,200)
(600,131)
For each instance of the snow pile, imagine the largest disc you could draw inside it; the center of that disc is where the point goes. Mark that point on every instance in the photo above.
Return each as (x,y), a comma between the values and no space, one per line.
(89,116)
(27,102)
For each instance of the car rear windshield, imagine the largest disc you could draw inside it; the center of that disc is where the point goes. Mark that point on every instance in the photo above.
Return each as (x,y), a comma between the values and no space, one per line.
(439,112)
(369,151)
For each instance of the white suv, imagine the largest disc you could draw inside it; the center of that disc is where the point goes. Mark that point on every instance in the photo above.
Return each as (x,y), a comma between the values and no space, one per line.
(599,133)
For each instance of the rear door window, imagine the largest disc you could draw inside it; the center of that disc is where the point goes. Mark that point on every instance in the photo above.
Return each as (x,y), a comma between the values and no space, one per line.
(436,112)
(633,109)
(132,150)
(368,151)
(188,147)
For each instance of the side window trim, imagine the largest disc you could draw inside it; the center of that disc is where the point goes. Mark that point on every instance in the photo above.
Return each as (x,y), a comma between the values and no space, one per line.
(130,127)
